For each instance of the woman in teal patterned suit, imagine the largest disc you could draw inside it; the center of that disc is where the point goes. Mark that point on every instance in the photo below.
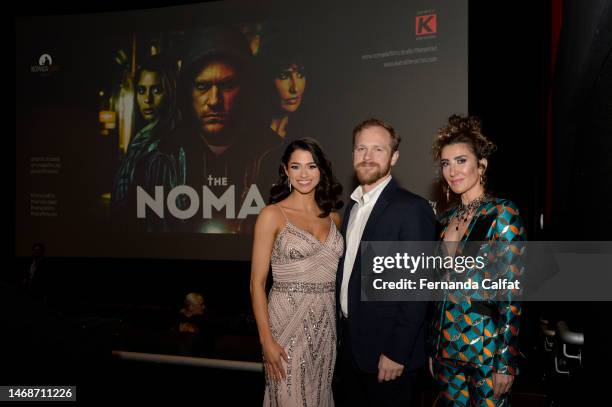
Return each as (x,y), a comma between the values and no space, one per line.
(474,333)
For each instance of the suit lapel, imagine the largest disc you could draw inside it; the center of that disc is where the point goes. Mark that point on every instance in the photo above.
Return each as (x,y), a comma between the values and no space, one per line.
(347,215)
(370,227)
(379,209)
(344,226)
(479,226)
(480,229)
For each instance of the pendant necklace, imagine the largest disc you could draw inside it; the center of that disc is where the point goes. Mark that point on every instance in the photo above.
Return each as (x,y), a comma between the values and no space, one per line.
(464,212)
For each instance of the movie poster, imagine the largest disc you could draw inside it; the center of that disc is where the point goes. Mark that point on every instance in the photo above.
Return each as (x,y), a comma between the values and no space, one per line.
(158,133)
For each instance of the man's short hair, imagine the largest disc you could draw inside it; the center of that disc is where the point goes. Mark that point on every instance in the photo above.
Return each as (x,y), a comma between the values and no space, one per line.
(373,122)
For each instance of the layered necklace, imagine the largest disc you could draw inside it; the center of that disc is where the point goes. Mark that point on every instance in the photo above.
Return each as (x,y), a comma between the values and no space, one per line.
(464,212)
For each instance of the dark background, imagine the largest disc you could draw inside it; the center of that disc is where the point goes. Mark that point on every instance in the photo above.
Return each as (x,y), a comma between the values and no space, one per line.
(551,118)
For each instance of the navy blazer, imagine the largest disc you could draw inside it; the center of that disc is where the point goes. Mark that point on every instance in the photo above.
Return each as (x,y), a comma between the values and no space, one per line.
(396,329)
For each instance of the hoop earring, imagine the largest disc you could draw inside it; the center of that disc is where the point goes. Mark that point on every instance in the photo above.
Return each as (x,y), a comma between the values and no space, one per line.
(289,182)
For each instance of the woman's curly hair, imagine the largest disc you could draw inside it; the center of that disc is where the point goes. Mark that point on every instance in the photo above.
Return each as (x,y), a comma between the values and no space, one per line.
(466,130)
(327,191)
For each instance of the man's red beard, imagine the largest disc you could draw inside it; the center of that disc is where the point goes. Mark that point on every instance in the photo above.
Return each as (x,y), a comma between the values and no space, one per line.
(371,176)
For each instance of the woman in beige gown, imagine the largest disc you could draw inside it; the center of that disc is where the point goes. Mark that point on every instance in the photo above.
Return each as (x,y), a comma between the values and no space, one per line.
(298,236)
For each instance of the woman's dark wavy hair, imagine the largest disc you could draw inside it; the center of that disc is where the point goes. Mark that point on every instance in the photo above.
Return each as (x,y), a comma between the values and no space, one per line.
(327,191)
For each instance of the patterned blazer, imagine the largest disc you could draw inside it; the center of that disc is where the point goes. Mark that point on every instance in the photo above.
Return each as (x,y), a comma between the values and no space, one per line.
(476,327)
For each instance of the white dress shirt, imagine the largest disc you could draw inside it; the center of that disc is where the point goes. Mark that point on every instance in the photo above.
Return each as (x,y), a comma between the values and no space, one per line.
(360,213)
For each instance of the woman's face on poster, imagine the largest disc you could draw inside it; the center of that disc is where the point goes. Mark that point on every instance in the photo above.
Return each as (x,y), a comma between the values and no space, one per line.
(149,95)
(290,84)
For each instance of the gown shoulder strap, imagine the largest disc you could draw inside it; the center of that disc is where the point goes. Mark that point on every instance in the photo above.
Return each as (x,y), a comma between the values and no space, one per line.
(282,211)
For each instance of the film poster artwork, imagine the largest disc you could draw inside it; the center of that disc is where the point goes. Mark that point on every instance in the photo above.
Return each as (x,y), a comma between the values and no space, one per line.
(209,121)
(132,126)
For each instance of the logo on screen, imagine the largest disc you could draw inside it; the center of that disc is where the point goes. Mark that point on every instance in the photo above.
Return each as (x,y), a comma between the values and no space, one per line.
(45,60)
(426,24)
(44,66)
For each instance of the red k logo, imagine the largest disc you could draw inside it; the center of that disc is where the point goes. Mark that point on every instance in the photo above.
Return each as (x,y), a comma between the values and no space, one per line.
(426,25)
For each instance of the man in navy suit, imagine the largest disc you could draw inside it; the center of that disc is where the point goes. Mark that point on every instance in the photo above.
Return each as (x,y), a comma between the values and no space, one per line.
(381,344)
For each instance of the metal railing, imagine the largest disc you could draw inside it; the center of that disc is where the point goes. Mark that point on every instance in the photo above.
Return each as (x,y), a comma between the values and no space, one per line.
(190,361)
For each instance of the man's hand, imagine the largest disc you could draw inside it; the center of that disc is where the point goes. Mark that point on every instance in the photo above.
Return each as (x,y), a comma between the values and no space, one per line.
(388,369)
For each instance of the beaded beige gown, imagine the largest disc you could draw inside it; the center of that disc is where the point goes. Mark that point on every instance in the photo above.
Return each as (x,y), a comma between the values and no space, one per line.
(302,310)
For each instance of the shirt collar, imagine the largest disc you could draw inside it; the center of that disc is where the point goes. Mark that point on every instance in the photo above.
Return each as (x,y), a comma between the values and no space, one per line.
(371,196)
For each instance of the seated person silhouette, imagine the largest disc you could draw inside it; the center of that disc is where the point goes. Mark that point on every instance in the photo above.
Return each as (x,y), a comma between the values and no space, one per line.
(193,327)
(191,315)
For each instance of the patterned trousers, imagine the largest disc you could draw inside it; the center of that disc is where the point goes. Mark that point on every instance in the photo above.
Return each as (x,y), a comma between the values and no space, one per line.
(465,384)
